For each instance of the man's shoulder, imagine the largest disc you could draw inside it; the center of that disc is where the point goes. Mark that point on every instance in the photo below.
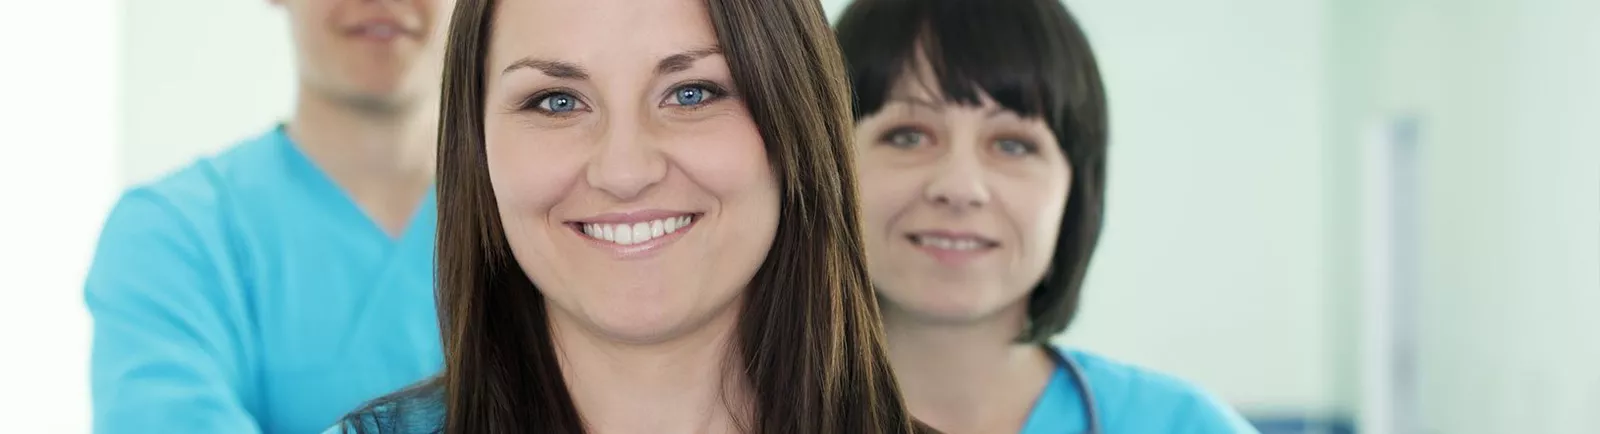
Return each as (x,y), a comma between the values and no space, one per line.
(198,192)
(179,220)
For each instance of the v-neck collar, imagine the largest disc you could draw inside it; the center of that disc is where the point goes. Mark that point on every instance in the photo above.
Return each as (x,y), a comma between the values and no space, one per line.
(329,192)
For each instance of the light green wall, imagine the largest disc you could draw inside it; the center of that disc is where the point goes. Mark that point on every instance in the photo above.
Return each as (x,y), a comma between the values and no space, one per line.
(196,76)
(1509,96)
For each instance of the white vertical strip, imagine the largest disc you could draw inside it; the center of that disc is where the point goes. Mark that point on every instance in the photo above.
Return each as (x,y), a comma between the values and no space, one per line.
(1405,200)
(1389,278)
(58,94)
(1376,313)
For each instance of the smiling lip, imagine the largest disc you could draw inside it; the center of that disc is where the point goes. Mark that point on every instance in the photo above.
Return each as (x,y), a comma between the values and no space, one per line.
(952,248)
(634,235)
(381,29)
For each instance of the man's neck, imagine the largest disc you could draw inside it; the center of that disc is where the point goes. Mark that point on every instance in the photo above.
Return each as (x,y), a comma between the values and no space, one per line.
(969,378)
(682,386)
(383,158)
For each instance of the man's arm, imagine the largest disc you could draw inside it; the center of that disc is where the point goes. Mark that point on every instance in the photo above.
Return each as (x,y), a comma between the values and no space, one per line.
(167,354)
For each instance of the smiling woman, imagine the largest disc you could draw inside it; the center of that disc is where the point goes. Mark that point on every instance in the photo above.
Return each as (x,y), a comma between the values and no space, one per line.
(648,223)
(982,138)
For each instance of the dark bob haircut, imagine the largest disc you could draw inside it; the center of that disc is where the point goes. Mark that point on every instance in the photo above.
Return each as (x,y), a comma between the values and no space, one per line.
(1029,56)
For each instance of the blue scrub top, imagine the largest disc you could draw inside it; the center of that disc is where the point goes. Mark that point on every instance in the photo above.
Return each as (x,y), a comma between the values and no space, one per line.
(1130,399)
(247,293)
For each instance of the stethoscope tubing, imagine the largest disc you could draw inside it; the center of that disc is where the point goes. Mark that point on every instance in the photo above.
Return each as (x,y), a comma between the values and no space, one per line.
(1090,411)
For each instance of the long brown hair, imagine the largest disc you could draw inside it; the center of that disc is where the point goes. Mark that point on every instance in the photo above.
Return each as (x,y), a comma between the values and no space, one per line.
(809,335)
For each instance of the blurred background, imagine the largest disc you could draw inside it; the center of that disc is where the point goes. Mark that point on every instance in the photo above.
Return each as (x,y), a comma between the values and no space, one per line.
(1374,216)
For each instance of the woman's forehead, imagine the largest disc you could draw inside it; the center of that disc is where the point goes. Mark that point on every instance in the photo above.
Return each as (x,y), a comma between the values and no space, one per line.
(595,32)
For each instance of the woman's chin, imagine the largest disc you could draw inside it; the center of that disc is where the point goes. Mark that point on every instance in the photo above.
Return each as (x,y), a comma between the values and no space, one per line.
(952,308)
(633,331)
(644,326)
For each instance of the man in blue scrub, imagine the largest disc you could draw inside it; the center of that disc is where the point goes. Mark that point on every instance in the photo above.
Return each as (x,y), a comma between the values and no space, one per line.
(276,285)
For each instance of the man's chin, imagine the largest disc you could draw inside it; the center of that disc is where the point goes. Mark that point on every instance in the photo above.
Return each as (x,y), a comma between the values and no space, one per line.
(379,101)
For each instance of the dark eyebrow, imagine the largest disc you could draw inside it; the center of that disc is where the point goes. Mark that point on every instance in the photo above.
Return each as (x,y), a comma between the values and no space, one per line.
(937,107)
(930,105)
(681,61)
(553,68)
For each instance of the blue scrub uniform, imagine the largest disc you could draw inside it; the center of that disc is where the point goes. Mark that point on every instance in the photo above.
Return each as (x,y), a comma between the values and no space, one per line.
(247,293)
(1130,400)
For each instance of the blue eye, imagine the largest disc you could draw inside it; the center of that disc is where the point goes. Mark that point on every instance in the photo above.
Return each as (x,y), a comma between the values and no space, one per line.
(905,138)
(559,102)
(695,95)
(1014,147)
(690,95)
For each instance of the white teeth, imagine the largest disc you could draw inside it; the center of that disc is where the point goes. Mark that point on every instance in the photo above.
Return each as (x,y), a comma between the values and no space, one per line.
(624,235)
(641,232)
(635,233)
(673,224)
(949,244)
(381,30)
